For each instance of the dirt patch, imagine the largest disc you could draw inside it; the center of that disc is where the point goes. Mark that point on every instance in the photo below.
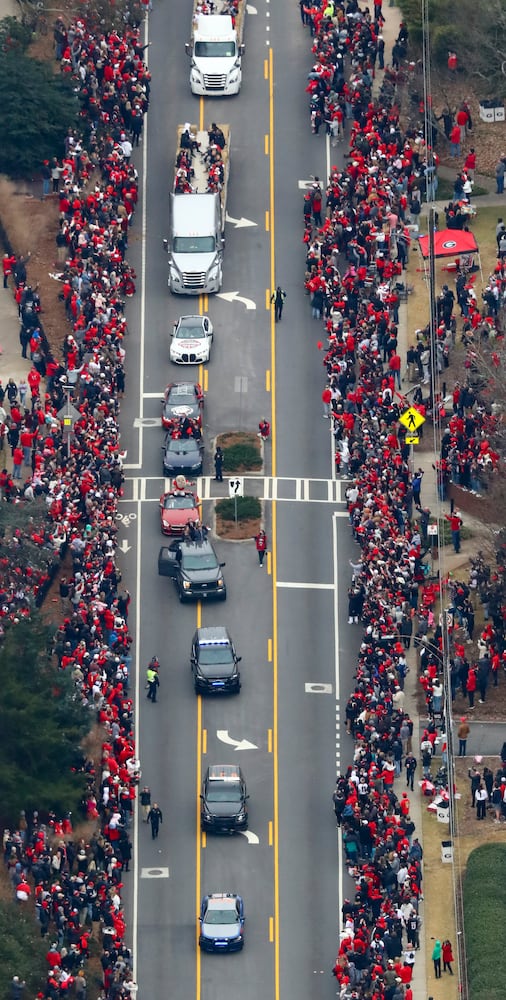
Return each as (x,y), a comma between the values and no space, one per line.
(248,439)
(31,226)
(232,532)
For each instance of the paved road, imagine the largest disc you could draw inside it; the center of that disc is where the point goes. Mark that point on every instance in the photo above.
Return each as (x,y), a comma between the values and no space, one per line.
(287,623)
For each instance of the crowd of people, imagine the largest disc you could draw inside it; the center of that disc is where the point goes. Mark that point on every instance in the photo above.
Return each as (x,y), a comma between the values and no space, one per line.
(76,884)
(357,247)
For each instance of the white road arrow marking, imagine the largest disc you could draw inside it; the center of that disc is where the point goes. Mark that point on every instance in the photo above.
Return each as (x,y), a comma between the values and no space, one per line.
(250,836)
(252,10)
(222,735)
(234,296)
(124,546)
(241,223)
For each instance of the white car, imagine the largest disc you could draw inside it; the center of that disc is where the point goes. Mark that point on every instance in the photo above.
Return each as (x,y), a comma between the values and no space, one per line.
(191,340)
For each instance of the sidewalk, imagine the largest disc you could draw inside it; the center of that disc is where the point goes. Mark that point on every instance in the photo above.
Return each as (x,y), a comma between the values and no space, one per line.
(11,362)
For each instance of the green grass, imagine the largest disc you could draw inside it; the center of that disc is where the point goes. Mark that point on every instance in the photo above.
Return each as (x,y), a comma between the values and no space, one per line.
(484,895)
(445,189)
(247,509)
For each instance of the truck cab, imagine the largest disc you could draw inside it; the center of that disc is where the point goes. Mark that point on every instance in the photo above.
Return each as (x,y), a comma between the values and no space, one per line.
(196,244)
(215,56)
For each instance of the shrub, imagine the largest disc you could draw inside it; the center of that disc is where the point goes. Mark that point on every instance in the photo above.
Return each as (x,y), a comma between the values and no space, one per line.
(242,456)
(248,508)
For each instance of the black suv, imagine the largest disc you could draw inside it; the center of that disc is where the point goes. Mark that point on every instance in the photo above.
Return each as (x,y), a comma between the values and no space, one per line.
(195,569)
(214,661)
(223,800)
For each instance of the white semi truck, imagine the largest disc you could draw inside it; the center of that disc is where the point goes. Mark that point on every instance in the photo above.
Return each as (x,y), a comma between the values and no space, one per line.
(216,48)
(197,210)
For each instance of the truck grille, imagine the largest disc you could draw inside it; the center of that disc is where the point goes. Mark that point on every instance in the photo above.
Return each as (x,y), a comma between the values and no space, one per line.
(194,279)
(214,81)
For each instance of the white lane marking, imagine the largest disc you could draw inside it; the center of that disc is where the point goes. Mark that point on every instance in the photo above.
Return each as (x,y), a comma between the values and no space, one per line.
(317,688)
(223,736)
(304,586)
(251,837)
(154,872)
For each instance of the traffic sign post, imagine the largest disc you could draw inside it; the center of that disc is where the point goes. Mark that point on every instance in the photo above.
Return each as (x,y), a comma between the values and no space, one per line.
(236,489)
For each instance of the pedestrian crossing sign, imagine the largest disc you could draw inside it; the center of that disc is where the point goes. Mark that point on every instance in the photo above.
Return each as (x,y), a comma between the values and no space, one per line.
(412,440)
(412,419)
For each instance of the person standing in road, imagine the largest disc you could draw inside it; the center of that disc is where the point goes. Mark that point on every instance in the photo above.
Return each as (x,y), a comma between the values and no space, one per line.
(462,733)
(155,818)
(153,682)
(261,544)
(278,299)
(218,464)
(145,803)
(264,429)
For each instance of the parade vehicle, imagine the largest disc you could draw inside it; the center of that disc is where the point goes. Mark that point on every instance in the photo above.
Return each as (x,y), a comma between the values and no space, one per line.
(178,507)
(214,661)
(223,806)
(195,569)
(191,340)
(182,399)
(183,456)
(216,47)
(198,207)
(221,922)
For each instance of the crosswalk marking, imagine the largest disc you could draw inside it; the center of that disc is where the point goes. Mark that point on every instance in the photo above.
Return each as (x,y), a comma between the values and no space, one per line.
(283,489)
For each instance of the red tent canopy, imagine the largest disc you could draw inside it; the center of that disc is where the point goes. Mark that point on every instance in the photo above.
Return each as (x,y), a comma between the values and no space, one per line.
(449,243)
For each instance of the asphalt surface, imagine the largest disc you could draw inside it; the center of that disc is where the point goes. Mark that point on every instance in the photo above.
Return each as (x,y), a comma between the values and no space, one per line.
(289,619)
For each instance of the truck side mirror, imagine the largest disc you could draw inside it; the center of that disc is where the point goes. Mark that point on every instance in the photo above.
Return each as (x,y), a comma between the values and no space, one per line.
(242,50)
(166,245)
(187,48)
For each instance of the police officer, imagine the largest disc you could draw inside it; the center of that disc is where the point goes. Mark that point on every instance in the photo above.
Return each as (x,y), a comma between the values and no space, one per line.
(155,818)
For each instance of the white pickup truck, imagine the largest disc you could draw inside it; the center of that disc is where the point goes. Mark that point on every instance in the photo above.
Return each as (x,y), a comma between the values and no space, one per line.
(198,210)
(216,48)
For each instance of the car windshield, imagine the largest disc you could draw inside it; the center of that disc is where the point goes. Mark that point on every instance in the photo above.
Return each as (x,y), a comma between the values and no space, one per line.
(224,793)
(194,561)
(214,50)
(221,917)
(178,503)
(193,244)
(215,654)
(181,394)
(190,333)
(182,446)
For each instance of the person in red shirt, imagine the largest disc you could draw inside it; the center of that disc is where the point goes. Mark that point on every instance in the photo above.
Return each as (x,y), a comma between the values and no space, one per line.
(326,400)
(470,164)
(455,521)
(8,263)
(455,141)
(264,429)
(261,545)
(17,462)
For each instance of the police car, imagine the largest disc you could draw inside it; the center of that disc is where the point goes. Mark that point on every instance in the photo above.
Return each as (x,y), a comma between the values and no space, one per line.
(221,922)
(223,800)
(214,662)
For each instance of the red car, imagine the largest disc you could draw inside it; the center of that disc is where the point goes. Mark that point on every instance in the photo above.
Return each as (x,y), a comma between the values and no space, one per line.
(177,508)
(180,400)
